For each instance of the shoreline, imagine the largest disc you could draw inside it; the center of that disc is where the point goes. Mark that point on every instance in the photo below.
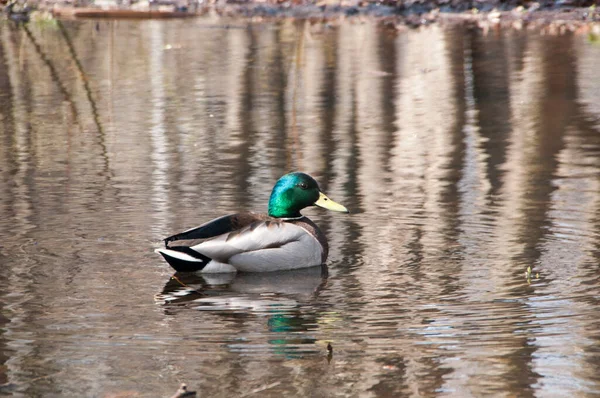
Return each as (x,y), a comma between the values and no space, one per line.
(553,20)
(576,20)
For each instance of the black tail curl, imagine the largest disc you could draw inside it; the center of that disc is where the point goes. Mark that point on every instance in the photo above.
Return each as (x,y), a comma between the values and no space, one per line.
(183,265)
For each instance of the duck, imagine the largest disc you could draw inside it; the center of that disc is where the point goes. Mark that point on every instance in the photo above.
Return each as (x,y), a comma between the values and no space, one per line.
(281,239)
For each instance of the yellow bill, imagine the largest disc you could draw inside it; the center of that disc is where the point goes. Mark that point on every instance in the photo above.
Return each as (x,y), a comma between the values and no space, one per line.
(329,204)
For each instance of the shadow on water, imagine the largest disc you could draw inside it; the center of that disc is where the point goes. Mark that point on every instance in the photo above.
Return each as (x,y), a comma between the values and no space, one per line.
(465,160)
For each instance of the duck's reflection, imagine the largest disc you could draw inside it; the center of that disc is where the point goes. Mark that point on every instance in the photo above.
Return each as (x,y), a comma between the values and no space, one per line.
(283,299)
(250,291)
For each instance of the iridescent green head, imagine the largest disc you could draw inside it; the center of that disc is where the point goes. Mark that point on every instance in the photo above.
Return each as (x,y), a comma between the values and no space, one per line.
(295,191)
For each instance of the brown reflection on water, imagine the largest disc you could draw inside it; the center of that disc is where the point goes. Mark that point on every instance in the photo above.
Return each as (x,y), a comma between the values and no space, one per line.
(463,158)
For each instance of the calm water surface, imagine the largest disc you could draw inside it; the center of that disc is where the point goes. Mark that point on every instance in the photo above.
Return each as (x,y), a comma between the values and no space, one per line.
(464,159)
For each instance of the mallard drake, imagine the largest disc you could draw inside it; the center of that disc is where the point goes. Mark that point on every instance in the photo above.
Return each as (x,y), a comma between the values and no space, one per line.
(283,239)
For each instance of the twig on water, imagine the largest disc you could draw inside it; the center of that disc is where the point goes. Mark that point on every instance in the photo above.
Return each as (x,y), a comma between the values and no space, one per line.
(263,388)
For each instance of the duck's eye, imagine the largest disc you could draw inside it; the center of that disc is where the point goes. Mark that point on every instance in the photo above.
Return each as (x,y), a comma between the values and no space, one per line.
(303,185)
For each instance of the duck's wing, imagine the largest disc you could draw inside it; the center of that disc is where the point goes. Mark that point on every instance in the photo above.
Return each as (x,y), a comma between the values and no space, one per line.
(271,238)
(218,226)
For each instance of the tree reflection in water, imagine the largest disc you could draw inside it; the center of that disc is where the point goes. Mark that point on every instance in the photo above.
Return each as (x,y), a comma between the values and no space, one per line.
(464,159)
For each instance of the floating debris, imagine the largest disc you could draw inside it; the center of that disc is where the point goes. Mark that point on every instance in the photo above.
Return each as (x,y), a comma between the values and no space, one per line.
(173,47)
(20,15)
(529,273)
(261,389)
(183,392)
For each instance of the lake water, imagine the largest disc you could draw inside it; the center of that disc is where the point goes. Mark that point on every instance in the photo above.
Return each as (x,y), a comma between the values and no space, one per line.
(464,158)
